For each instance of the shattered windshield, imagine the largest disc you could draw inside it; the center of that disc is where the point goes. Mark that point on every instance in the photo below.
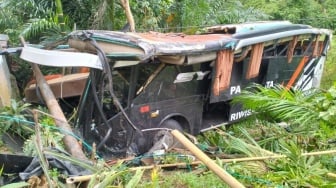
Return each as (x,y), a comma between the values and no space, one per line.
(121,84)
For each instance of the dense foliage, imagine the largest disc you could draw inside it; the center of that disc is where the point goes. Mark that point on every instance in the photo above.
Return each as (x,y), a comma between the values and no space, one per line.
(38,19)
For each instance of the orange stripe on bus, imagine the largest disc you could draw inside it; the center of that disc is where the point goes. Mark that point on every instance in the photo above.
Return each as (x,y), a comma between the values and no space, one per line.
(297,72)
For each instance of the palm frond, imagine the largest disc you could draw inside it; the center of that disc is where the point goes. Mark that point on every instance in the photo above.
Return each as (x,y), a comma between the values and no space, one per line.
(248,147)
(36,27)
(279,103)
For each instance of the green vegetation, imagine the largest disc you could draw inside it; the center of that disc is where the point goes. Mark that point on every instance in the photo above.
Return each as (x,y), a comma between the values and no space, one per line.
(329,75)
(13,118)
(40,21)
(309,127)
(47,20)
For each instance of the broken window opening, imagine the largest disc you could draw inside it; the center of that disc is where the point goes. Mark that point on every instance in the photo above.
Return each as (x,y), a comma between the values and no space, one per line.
(243,54)
(297,72)
(270,50)
(291,48)
(151,78)
(307,45)
(316,51)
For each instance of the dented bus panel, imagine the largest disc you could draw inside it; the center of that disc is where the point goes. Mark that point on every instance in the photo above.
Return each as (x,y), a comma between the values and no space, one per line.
(155,80)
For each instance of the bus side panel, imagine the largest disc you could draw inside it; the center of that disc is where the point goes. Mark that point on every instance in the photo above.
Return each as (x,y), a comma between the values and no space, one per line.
(235,83)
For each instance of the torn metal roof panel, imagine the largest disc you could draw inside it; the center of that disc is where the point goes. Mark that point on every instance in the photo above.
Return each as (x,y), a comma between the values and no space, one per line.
(246,27)
(143,46)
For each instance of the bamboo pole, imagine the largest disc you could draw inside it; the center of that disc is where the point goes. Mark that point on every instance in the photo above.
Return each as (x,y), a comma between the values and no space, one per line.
(332,175)
(76,179)
(220,172)
(71,144)
(243,159)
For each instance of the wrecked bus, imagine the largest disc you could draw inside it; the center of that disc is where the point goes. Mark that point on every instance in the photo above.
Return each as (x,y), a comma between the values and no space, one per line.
(151,82)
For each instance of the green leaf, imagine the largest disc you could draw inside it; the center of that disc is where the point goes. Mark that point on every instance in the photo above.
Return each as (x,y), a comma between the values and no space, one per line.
(16,185)
(135,180)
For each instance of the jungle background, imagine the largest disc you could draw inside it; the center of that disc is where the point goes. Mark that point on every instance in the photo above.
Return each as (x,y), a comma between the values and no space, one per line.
(44,21)
(311,130)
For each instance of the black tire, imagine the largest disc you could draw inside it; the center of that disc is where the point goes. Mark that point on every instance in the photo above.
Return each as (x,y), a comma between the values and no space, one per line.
(170,124)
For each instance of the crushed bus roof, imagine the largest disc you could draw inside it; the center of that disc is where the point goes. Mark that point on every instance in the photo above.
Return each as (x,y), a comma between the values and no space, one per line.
(143,46)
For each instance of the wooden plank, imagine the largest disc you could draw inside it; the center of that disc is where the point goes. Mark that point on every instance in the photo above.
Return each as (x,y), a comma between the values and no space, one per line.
(63,87)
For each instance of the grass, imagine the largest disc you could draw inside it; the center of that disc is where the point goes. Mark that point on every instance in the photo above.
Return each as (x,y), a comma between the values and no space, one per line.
(184,179)
(329,76)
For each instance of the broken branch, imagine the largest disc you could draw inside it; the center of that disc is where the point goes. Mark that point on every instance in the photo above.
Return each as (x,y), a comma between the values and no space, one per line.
(129,16)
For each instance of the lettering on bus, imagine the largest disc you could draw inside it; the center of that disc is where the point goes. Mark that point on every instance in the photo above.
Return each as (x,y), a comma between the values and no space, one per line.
(269,84)
(235,90)
(241,114)
(189,76)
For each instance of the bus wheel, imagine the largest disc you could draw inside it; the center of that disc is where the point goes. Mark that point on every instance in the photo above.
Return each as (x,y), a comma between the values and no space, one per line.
(164,137)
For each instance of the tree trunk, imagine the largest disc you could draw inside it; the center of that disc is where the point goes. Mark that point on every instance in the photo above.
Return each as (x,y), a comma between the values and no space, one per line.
(71,144)
(129,16)
(59,12)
